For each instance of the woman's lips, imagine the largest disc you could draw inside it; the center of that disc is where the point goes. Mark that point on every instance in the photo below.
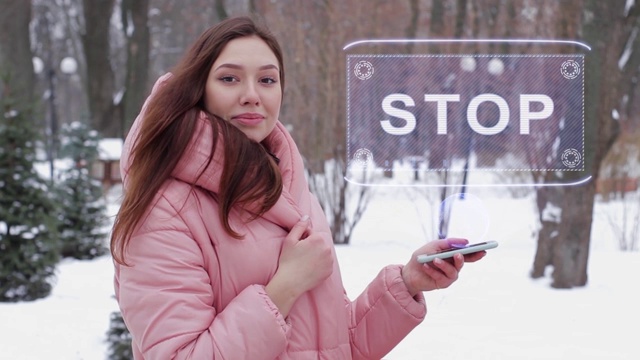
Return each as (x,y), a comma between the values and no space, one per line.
(248,119)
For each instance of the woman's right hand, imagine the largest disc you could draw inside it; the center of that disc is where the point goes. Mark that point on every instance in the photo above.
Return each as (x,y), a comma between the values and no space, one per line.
(305,261)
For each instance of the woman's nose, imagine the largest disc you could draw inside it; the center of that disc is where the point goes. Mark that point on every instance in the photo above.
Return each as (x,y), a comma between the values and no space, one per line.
(250,95)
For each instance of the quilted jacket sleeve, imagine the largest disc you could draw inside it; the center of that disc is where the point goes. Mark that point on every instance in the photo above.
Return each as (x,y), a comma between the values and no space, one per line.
(166,300)
(383,315)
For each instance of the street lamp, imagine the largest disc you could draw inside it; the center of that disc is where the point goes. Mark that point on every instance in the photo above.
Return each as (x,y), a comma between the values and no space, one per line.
(495,67)
(68,66)
(52,122)
(467,64)
(38,65)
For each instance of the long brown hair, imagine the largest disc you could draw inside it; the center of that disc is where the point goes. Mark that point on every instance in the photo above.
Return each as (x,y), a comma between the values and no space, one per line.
(250,177)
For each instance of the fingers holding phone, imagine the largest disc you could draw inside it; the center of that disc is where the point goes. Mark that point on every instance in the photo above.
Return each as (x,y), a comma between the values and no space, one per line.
(444,271)
(436,265)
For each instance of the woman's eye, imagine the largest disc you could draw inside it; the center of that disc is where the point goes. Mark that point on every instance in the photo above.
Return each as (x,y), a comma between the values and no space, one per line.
(228,79)
(268,80)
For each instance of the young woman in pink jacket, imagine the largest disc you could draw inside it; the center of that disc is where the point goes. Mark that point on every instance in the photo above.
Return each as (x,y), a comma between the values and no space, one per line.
(221,251)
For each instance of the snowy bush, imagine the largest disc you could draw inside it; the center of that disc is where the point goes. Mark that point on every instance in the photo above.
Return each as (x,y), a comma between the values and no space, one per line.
(29,250)
(118,339)
(82,205)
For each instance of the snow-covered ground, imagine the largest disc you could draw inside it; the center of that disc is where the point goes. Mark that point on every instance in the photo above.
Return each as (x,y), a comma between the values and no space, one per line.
(495,310)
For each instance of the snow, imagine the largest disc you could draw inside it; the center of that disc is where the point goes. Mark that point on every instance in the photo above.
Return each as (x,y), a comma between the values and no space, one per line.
(628,49)
(552,213)
(494,311)
(117,97)
(110,148)
(627,6)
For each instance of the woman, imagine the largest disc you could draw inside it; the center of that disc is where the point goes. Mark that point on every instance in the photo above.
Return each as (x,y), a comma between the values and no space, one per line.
(221,251)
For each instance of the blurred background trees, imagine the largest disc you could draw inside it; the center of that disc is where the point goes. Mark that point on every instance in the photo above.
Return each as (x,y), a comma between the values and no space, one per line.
(94,62)
(81,204)
(29,245)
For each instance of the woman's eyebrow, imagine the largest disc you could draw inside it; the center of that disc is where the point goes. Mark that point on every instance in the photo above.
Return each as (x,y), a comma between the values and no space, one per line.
(240,67)
(269,66)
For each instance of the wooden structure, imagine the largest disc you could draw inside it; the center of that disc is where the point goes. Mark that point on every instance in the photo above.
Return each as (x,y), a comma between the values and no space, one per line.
(107,168)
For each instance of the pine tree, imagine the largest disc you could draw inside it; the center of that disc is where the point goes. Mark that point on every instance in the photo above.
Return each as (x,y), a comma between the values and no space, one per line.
(82,204)
(29,247)
(118,339)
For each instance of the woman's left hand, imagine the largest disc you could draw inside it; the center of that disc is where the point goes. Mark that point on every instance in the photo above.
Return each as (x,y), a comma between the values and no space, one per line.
(438,274)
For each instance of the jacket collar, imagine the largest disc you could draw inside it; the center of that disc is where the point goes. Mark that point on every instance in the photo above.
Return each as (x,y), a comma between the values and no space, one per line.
(286,211)
(292,204)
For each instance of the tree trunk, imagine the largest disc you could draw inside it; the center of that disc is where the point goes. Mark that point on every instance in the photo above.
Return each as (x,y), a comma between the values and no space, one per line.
(550,199)
(571,253)
(16,66)
(138,46)
(604,29)
(100,76)
(547,200)
(221,10)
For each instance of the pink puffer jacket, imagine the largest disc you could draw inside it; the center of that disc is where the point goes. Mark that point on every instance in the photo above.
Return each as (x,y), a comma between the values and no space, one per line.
(193,292)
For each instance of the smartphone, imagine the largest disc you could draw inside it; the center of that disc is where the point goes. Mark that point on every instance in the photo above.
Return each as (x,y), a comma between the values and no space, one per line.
(457,249)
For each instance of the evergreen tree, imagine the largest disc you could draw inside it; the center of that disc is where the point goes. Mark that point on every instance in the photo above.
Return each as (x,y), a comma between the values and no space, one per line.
(82,204)
(118,339)
(29,247)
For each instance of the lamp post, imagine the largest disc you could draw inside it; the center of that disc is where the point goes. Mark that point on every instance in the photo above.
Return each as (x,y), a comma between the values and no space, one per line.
(68,66)
(38,65)
(495,67)
(467,64)
(52,120)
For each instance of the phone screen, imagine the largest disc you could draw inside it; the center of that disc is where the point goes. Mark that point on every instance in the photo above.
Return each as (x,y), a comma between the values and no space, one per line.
(458,247)
(447,254)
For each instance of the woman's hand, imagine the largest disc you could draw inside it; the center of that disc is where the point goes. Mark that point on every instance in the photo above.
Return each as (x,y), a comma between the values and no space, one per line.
(305,261)
(438,274)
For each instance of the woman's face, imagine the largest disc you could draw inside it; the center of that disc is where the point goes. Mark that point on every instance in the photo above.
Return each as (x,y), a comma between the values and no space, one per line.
(243,87)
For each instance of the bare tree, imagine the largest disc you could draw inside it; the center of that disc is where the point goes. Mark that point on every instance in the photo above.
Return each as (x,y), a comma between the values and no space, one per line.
(607,27)
(343,204)
(135,18)
(100,75)
(221,10)
(548,199)
(15,51)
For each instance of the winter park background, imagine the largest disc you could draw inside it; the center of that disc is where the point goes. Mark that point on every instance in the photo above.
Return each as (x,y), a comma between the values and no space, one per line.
(59,50)
(494,311)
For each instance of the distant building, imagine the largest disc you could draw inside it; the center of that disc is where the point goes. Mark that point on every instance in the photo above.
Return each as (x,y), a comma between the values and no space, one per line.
(107,168)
